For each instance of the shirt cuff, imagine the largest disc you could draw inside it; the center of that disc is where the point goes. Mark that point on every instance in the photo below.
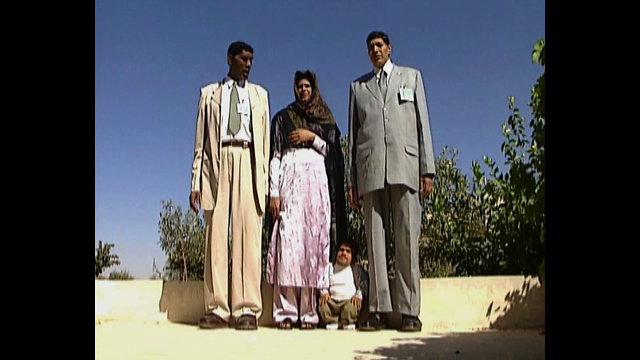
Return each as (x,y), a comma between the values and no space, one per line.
(320,145)
(274,178)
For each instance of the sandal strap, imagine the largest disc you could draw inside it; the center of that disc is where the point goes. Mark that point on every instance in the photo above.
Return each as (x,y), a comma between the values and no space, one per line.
(285,324)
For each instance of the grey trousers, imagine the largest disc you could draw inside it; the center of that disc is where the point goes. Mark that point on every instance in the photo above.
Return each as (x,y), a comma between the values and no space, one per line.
(404,205)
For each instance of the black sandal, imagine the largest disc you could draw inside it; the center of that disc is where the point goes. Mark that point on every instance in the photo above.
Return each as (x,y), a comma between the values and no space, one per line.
(285,324)
(307,326)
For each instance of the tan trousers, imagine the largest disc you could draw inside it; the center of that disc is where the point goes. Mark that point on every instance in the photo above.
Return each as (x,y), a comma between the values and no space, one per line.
(236,198)
(344,310)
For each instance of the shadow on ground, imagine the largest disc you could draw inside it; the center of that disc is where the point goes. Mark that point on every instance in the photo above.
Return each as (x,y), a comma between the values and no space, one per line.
(486,345)
(522,309)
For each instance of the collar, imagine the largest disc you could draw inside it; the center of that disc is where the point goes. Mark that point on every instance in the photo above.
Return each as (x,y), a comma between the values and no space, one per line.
(229,81)
(387,67)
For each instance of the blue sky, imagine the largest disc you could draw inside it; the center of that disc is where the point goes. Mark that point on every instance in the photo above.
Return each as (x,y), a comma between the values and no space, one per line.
(152,57)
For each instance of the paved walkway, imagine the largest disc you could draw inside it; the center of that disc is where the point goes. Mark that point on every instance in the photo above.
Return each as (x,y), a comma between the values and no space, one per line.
(164,340)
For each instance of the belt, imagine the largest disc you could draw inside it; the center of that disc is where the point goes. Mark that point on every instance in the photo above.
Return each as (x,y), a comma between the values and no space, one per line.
(240,143)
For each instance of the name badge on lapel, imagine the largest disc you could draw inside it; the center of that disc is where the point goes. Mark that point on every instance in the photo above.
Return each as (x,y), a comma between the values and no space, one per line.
(406,94)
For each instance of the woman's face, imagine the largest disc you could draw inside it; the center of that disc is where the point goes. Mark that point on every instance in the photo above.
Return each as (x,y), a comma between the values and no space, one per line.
(304,90)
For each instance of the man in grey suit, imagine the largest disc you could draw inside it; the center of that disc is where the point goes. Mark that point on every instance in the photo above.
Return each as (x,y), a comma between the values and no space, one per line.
(391,159)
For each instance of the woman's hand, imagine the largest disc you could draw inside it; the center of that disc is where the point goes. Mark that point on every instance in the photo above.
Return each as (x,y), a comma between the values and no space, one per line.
(301,136)
(274,207)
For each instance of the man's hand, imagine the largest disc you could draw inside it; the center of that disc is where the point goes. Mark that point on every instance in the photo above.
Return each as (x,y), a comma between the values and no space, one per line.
(274,207)
(324,299)
(194,201)
(426,186)
(301,136)
(357,302)
(354,198)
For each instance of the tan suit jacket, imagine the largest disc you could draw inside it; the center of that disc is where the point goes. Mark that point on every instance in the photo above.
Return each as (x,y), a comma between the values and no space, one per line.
(206,159)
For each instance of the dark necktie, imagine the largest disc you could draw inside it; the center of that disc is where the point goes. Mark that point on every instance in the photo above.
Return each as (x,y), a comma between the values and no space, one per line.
(383,83)
(234,115)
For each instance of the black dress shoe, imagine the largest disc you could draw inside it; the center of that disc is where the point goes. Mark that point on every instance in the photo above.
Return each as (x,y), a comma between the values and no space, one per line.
(374,322)
(212,321)
(247,322)
(410,324)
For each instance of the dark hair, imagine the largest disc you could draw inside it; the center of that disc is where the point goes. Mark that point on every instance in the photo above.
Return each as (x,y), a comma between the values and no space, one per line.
(355,248)
(237,47)
(299,75)
(376,35)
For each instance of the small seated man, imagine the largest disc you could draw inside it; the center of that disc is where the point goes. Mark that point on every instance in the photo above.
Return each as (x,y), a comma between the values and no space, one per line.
(341,301)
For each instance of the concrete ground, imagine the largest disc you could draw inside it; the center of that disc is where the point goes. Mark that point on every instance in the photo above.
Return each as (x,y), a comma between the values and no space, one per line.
(143,340)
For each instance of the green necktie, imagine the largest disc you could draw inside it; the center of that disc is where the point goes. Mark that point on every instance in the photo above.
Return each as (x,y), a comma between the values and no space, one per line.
(234,115)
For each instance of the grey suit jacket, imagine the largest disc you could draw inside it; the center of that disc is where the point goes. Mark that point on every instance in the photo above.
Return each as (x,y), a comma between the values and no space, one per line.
(389,138)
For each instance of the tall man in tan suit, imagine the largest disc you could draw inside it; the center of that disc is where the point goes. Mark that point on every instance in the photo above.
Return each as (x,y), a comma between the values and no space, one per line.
(229,179)
(391,159)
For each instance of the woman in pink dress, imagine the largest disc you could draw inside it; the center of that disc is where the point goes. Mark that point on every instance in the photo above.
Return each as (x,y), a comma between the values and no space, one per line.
(307,203)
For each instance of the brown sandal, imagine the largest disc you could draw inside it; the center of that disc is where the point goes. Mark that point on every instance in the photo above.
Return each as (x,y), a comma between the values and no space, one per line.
(285,324)
(307,326)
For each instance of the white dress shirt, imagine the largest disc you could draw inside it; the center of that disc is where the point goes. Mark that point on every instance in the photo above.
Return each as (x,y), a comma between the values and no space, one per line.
(341,285)
(387,67)
(243,98)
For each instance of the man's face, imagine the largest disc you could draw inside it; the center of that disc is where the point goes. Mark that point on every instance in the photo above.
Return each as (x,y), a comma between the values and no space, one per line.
(344,255)
(240,65)
(379,52)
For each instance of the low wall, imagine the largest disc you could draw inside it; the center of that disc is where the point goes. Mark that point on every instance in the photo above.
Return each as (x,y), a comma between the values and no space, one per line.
(129,300)
(448,304)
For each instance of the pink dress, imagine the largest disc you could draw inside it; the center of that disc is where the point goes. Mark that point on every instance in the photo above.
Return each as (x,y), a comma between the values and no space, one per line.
(299,249)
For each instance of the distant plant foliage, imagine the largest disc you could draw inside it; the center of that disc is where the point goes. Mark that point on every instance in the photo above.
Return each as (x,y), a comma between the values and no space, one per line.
(120,275)
(182,240)
(104,258)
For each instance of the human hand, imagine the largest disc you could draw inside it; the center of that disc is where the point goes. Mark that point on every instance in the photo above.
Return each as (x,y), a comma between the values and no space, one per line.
(194,201)
(324,299)
(301,136)
(274,207)
(426,186)
(354,198)
(357,302)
